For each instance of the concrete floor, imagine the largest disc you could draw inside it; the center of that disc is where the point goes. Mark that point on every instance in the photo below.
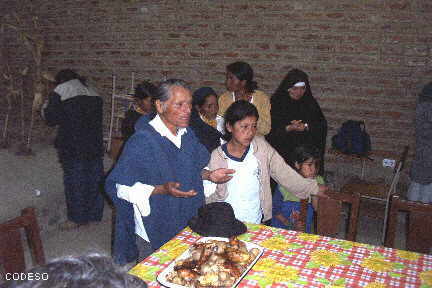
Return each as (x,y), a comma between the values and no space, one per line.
(95,237)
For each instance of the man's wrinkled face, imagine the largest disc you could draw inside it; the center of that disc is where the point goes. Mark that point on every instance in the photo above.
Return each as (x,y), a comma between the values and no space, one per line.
(176,111)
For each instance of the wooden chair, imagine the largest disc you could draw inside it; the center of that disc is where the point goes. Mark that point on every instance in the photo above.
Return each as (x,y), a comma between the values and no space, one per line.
(418,235)
(329,214)
(12,258)
(379,191)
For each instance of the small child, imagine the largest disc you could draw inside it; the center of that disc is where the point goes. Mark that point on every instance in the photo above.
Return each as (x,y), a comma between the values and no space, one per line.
(286,206)
(254,162)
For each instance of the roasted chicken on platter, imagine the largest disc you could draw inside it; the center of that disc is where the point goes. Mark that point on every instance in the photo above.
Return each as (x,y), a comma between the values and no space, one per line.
(213,263)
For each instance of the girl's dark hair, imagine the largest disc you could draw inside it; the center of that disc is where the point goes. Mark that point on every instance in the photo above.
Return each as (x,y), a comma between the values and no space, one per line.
(144,90)
(237,111)
(303,153)
(243,71)
(67,75)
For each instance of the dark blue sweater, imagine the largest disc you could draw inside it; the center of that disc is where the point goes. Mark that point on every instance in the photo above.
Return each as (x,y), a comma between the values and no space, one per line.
(152,159)
(79,135)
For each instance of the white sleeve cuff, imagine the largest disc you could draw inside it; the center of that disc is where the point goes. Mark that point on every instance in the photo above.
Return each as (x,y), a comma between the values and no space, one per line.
(138,194)
(209,188)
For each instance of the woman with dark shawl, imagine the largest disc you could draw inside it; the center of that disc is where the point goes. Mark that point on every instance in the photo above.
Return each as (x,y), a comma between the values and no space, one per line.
(204,121)
(296,117)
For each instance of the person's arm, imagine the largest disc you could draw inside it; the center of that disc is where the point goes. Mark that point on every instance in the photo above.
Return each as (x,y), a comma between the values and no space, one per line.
(317,125)
(137,194)
(264,121)
(224,102)
(218,176)
(279,117)
(423,124)
(53,112)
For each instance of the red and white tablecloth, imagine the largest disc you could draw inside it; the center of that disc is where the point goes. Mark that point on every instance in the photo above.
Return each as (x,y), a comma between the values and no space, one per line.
(294,259)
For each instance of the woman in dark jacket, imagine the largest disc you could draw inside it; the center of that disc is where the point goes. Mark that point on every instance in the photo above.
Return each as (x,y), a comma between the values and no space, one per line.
(77,111)
(296,117)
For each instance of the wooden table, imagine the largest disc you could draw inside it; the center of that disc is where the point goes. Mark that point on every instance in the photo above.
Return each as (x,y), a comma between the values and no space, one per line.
(294,259)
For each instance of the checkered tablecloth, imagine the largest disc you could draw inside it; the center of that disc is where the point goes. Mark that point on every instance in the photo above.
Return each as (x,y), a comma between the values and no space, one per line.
(294,259)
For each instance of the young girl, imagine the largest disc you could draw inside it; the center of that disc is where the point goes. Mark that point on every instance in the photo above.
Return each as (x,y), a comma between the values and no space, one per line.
(286,205)
(254,162)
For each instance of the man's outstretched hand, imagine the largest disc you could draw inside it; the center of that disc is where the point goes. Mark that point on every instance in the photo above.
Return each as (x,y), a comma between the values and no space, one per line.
(171,188)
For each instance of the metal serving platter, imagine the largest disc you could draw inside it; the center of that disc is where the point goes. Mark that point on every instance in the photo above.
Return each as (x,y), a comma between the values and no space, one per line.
(162,278)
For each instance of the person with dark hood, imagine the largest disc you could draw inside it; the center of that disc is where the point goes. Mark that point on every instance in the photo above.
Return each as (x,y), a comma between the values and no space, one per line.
(204,121)
(76,109)
(296,117)
(143,105)
(241,86)
(421,169)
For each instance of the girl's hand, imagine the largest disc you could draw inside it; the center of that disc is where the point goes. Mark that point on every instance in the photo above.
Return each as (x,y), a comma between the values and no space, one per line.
(221,175)
(322,189)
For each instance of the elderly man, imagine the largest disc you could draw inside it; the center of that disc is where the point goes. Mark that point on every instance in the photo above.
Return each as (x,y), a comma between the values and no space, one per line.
(156,185)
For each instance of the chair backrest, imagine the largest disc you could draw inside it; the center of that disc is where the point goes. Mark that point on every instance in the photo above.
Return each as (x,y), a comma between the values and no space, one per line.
(329,213)
(418,238)
(301,224)
(12,259)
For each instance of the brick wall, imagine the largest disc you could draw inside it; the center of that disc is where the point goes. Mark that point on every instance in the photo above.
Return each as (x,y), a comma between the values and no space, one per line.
(366,59)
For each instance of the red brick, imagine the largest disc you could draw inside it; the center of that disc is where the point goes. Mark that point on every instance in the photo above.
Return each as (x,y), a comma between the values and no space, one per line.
(336,15)
(399,5)
(263,46)
(231,54)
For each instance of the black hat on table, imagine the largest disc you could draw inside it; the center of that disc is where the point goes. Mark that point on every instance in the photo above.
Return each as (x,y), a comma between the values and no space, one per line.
(217,219)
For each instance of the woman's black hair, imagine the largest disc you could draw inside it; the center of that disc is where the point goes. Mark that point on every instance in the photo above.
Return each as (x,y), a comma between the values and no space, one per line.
(200,96)
(144,90)
(237,111)
(303,153)
(67,75)
(243,71)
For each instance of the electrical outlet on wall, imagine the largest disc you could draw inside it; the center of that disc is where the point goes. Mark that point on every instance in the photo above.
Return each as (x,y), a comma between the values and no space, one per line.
(389,163)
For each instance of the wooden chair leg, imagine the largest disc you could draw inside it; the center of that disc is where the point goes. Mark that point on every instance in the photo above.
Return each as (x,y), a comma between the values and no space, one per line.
(391,226)
(417,240)
(353,218)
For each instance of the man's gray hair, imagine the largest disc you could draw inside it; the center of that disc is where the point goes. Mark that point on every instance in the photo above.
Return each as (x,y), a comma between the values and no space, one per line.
(91,270)
(164,90)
